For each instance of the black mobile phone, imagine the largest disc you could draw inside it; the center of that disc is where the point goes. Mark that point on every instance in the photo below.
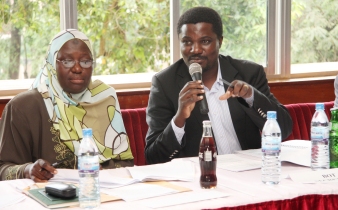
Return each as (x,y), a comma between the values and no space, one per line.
(61,190)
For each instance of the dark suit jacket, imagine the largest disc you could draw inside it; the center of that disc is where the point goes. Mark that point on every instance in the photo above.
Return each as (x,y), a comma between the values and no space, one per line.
(161,142)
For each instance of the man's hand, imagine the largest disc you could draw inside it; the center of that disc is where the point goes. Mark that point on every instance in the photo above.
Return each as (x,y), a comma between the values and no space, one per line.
(237,89)
(40,171)
(188,97)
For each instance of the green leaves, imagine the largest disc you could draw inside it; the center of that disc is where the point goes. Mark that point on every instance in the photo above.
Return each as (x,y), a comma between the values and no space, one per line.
(130,36)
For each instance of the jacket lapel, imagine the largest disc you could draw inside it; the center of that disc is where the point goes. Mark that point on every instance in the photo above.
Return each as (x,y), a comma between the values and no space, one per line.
(229,73)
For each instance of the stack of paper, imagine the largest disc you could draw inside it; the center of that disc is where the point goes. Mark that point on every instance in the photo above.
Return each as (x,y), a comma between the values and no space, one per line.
(297,151)
(176,170)
(236,162)
(293,151)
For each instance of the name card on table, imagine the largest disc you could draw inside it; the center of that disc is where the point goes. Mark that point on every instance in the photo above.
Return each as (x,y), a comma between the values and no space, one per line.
(321,176)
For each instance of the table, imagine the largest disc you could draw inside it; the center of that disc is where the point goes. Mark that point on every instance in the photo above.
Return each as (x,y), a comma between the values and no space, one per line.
(245,189)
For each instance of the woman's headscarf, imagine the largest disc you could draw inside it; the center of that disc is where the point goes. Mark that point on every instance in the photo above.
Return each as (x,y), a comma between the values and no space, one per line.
(96,107)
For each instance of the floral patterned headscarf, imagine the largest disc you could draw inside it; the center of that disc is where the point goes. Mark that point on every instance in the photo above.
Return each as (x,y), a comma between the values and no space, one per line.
(96,107)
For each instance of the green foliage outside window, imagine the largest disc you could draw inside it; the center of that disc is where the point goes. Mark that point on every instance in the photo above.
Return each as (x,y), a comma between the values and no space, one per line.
(244,26)
(132,36)
(128,36)
(314,31)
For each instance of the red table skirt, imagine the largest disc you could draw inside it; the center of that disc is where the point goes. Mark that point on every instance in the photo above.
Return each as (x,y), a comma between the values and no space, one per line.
(306,202)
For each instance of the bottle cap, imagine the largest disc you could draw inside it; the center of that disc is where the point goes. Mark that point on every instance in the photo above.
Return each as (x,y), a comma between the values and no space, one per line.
(334,109)
(271,115)
(206,122)
(320,106)
(87,132)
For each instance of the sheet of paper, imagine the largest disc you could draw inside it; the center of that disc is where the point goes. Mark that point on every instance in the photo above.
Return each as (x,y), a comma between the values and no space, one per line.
(236,162)
(139,191)
(23,184)
(11,198)
(182,198)
(107,179)
(256,153)
(309,176)
(296,151)
(175,170)
(293,151)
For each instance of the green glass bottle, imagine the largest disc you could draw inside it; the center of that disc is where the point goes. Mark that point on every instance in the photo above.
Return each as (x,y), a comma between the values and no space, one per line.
(334,138)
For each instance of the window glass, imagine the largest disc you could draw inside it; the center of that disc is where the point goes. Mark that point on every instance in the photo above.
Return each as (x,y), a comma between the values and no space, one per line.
(244,26)
(314,36)
(26,28)
(128,36)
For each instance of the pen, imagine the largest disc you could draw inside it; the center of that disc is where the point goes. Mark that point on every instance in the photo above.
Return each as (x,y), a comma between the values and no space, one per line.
(226,82)
(57,163)
(68,156)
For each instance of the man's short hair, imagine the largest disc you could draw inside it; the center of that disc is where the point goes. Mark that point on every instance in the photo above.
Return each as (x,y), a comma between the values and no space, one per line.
(201,14)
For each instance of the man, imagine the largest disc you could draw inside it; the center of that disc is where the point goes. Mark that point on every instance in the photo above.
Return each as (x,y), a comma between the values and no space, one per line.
(237,112)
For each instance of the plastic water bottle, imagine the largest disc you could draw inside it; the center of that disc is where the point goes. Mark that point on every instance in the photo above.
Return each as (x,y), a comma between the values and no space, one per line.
(271,147)
(88,165)
(320,139)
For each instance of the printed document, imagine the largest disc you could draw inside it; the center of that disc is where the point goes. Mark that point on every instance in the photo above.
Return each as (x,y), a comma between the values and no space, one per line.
(235,162)
(181,170)
(310,176)
(293,151)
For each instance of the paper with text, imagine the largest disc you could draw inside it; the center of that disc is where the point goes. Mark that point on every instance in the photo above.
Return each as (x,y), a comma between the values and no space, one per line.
(296,151)
(172,171)
(293,151)
(310,176)
(107,179)
(234,162)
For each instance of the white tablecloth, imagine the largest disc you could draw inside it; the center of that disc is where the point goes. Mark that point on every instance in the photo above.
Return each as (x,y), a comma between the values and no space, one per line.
(243,188)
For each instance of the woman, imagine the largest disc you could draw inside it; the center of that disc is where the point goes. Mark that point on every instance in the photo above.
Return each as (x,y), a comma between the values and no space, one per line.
(44,125)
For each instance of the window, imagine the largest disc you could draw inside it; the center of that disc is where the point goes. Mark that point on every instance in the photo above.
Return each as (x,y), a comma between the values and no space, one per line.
(24,36)
(314,36)
(134,39)
(244,27)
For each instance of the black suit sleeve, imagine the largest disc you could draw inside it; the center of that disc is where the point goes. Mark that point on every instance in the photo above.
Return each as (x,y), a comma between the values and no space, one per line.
(265,101)
(161,143)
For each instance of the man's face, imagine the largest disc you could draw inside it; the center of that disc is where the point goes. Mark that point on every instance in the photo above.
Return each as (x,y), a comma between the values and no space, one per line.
(75,79)
(199,44)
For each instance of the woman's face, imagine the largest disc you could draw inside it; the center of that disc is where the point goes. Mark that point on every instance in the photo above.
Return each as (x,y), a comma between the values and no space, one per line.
(74,79)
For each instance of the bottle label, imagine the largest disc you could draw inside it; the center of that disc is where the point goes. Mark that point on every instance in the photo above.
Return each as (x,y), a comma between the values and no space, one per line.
(271,144)
(89,164)
(207,155)
(319,133)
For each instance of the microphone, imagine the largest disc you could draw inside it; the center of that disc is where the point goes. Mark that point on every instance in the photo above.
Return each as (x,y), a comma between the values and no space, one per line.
(195,71)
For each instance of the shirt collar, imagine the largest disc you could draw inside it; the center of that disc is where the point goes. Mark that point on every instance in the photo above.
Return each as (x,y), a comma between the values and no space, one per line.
(219,75)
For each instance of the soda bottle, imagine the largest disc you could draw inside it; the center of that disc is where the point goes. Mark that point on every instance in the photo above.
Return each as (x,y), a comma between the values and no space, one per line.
(333,138)
(89,189)
(208,158)
(271,147)
(320,139)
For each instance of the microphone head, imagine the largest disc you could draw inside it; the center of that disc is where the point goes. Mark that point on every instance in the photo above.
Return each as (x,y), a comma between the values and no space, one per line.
(194,68)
